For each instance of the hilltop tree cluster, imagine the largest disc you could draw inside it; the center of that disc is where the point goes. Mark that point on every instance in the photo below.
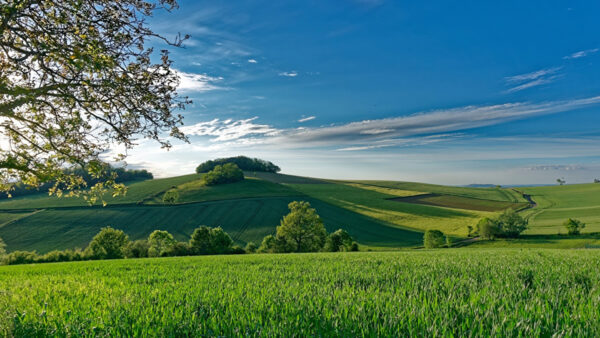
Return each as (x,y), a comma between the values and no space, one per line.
(243,162)
(221,174)
(300,231)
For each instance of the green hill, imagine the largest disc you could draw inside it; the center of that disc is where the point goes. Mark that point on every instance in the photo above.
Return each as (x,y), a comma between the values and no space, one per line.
(378,214)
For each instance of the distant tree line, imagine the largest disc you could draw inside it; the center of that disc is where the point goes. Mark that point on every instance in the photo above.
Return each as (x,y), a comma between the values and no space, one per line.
(300,231)
(121,175)
(243,162)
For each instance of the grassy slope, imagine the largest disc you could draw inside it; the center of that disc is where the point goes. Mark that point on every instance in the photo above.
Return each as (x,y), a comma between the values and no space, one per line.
(404,215)
(557,203)
(504,293)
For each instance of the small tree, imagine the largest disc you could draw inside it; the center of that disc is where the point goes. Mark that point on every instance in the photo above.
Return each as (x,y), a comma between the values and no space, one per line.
(561,181)
(171,196)
(573,226)
(487,228)
(109,243)
(511,224)
(137,249)
(2,248)
(596,180)
(160,243)
(268,245)
(339,240)
(250,247)
(433,239)
(208,241)
(302,229)
(448,241)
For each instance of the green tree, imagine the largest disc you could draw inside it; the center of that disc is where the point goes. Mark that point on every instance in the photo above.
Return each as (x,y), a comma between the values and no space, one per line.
(160,243)
(573,226)
(338,240)
(109,243)
(227,173)
(487,228)
(171,196)
(76,78)
(250,247)
(268,245)
(210,241)
(302,229)
(511,224)
(137,249)
(433,239)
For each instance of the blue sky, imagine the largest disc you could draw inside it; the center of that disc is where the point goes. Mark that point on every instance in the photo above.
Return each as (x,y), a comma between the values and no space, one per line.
(487,92)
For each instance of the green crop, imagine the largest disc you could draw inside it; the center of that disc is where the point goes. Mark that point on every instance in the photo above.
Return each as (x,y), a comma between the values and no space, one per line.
(420,293)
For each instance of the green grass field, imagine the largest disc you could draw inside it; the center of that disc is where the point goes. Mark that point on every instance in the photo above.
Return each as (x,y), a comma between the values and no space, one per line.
(557,203)
(505,293)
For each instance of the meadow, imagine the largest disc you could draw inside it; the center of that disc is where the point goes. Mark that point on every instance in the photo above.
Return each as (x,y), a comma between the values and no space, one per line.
(412,293)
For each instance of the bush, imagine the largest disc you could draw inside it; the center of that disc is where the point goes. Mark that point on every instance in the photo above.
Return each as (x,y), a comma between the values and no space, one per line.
(573,226)
(243,162)
(2,248)
(160,243)
(339,240)
(511,224)
(21,257)
(433,239)
(354,246)
(237,250)
(301,230)
(171,196)
(109,243)
(210,241)
(251,247)
(179,249)
(268,245)
(228,173)
(137,249)
(487,228)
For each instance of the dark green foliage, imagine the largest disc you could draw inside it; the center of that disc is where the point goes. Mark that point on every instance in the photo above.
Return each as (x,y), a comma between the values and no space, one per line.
(137,249)
(354,246)
(109,243)
(20,257)
(227,173)
(179,249)
(250,247)
(171,196)
(339,240)
(511,224)
(433,239)
(2,247)
(302,229)
(243,162)
(268,245)
(160,243)
(487,228)
(210,241)
(448,241)
(573,226)
(237,250)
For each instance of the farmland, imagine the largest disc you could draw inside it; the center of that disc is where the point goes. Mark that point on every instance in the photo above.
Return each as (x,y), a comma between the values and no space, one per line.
(433,293)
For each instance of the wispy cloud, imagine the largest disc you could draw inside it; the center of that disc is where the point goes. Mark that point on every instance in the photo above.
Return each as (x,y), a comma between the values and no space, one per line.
(582,53)
(292,73)
(555,167)
(379,133)
(308,118)
(533,79)
(228,130)
(192,82)
(252,61)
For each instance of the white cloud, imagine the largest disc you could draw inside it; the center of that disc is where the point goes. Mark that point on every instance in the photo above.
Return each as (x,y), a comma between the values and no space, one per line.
(580,54)
(252,61)
(555,167)
(192,82)
(228,130)
(533,79)
(292,73)
(308,118)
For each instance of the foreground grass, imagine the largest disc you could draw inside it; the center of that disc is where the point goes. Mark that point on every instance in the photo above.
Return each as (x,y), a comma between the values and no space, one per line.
(418,293)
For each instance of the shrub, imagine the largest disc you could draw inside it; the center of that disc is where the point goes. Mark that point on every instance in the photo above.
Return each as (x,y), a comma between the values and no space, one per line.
(210,241)
(160,243)
(251,247)
(433,239)
(268,245)
(487,228)
(109,243)
(2,248)
(302,229)
(339,240)
(21,257)
(573,226)
(171,196)
(137,249)
(237,250)
(511,224)
(179,249)
(354,246)
(227,173)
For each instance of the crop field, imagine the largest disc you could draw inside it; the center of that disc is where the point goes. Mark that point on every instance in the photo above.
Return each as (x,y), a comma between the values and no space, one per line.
(427,293)
(557,203)
(459,202)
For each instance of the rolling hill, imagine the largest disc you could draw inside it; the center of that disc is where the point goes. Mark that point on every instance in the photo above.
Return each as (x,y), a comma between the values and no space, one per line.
(378,214)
